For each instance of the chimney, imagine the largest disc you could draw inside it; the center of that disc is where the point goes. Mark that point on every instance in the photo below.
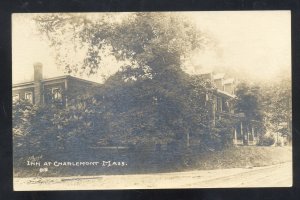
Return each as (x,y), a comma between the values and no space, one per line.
(38,76)
(38,71)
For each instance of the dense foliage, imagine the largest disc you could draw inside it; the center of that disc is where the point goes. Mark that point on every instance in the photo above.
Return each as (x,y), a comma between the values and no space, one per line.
(249,102)
(277,103)
(150,99)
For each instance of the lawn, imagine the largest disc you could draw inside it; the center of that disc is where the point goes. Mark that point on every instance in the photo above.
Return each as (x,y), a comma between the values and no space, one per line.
(243,156)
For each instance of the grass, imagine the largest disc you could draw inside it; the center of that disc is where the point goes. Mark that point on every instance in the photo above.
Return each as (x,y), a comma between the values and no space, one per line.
(234,157)
(243,156)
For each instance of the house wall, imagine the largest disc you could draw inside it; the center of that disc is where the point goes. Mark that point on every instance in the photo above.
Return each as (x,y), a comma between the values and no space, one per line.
(70,88)
(229,88)
(22,92)
(208,77)
(47,90)
(78,87)
(219,83)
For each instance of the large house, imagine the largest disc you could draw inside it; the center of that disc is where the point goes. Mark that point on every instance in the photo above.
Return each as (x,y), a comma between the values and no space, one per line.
(59,89)
(222,107)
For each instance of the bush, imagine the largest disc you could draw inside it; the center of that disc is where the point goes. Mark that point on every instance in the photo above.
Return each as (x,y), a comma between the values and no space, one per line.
(266,140)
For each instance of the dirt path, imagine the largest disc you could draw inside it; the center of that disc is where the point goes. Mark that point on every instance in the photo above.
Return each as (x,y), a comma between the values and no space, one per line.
(279,175)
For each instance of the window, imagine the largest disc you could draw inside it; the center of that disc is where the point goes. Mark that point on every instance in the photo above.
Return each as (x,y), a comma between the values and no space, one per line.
(28,96)
(56,94)
(225,105)
(16,97)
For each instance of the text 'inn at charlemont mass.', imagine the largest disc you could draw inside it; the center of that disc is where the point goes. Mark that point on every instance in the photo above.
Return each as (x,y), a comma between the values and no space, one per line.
(63,89)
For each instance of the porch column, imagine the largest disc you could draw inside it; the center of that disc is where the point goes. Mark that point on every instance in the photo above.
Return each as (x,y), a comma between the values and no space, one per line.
(252,132)
(188,139)
(248,134)
(235,136)
(242,132)
(242,129)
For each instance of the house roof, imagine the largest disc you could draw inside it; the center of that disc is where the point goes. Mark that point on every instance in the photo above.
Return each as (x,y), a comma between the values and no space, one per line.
(204,72)
(218,76)
(225,93)
(24,84)
(228,81)
(31,83)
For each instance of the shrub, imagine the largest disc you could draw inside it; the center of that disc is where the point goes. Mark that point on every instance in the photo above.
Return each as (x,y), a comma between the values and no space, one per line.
(266,140)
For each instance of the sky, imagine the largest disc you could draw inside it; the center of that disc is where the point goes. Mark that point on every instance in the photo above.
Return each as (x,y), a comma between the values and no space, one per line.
(256,44)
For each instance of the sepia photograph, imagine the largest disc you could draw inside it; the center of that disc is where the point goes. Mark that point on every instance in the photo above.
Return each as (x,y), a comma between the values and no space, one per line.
(151,100)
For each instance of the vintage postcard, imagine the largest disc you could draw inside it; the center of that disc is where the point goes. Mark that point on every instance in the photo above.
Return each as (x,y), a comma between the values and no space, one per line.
(151,100)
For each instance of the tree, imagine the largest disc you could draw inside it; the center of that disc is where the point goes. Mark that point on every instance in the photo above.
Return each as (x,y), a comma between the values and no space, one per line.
(146,111)
(150,94)
(249,102)
(51,131)
(22,113)
(278,107)
(153,42)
